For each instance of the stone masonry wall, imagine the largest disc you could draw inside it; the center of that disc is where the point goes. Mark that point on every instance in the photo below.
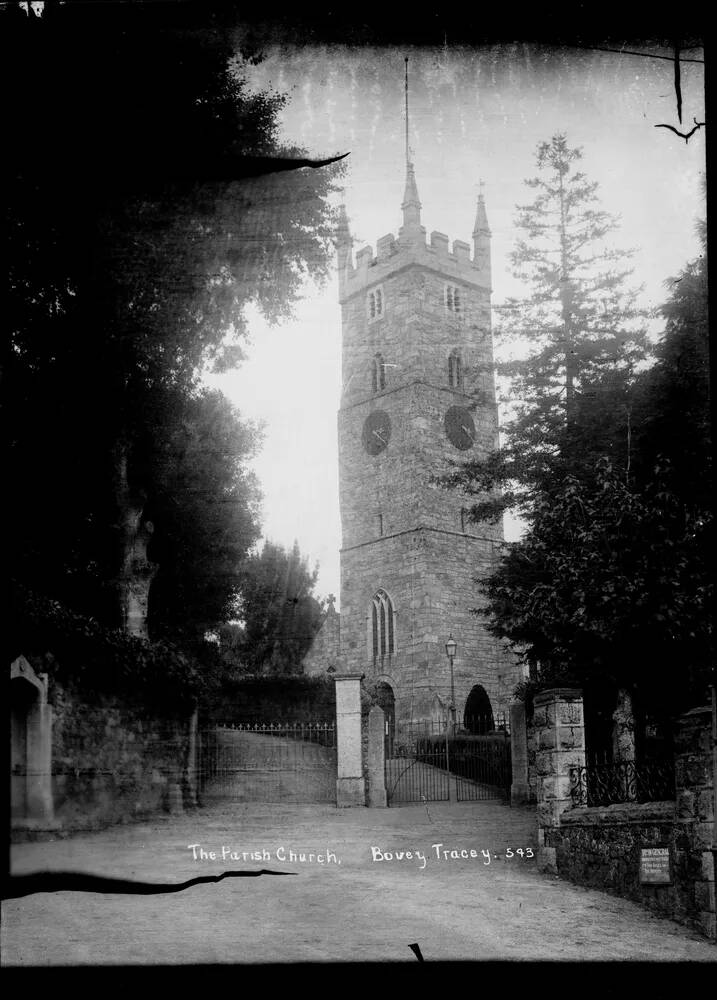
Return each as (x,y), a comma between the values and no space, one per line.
(429,576)
(600,846)
(401,531)
(111,763)
(397,483)
(415,335)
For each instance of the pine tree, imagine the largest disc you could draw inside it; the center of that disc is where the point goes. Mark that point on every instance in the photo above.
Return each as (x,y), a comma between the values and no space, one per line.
(613,583)
(580,333)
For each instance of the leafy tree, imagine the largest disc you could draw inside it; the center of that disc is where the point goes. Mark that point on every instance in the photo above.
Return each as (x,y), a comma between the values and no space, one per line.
(142,221)
(279,612)
(206,508)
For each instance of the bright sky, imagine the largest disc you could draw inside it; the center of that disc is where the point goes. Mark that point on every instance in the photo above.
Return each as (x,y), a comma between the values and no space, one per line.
(474,113)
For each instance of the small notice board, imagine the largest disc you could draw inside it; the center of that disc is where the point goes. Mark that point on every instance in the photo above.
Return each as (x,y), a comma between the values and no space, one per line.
(655,865)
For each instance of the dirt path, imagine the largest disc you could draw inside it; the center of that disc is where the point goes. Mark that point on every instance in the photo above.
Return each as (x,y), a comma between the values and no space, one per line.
(368,907)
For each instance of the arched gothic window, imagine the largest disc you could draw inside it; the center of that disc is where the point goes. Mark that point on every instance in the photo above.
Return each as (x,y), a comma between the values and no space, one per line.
(381,626)
(455,370)
(378,373)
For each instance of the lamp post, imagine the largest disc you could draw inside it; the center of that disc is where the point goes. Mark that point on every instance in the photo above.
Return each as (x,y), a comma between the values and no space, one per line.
(451,647)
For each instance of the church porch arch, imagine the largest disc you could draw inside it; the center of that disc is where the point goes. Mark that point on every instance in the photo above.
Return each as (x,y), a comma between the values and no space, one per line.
(478,712)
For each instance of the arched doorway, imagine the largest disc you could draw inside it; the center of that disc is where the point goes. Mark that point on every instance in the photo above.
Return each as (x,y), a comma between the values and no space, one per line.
(386,700)
(478,713)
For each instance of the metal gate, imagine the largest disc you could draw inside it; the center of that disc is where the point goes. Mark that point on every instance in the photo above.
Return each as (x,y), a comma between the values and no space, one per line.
(425,766)
(268,762)
(415,770)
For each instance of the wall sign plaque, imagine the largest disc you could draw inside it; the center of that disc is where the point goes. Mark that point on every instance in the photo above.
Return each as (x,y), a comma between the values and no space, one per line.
(655,866)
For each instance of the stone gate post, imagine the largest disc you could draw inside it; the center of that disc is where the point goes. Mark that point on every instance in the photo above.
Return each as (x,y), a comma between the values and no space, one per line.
(560,745)
(350,783)
(377,757)
(694,786)
(31,738)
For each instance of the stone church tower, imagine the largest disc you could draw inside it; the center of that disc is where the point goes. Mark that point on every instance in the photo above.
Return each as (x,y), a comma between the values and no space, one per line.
(418,393)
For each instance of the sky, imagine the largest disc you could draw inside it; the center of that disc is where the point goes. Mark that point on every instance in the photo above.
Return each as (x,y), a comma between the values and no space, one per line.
(475,114)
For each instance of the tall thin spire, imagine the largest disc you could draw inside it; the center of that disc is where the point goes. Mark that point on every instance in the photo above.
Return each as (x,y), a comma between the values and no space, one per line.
(481,227)
(408,155)
(411,205)
(481,237)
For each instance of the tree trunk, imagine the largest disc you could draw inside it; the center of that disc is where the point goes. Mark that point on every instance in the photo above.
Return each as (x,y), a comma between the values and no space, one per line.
(133,533)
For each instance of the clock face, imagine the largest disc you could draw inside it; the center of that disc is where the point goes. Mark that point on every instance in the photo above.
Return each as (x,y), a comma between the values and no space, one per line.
(460,428)
(376,432)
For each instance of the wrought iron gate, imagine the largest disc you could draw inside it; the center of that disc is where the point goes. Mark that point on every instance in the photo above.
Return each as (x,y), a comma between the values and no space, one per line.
(415,770)
(425,766)
(268,762)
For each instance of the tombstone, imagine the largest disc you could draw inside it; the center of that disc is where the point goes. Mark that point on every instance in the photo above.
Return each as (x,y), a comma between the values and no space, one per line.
(31,747)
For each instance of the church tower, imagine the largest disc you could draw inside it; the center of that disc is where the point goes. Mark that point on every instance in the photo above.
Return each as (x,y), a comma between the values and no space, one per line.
(418,393)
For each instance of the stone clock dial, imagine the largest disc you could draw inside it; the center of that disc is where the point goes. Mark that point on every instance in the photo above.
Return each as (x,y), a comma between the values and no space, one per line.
(376,432)
(460,428)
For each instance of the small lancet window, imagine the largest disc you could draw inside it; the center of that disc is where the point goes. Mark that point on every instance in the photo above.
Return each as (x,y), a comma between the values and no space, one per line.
(453,299)
(455,370)
(378,373)
(374,303)
(381,628)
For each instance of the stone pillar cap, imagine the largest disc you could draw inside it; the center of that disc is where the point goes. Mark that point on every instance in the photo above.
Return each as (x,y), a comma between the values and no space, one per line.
(558,692)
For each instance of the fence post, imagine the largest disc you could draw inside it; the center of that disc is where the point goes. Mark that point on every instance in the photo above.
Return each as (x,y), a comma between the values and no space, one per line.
(560,745)
(377,757)
(350,783)
(519,791)
(192,763)
(448,763)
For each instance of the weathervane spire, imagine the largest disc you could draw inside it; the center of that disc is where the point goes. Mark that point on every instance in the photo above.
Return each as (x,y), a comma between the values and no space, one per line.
(408,155)
(411,205)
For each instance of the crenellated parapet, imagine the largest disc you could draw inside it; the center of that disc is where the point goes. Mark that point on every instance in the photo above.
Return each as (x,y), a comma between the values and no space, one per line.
(392,256)
(470,266)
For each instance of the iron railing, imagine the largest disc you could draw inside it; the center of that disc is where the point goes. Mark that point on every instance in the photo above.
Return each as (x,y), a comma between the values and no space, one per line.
(323,733)
(475,726)
(623,781)
(267,762)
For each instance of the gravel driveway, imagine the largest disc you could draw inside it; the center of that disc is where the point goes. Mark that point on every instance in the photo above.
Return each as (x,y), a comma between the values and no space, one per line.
(367,884)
